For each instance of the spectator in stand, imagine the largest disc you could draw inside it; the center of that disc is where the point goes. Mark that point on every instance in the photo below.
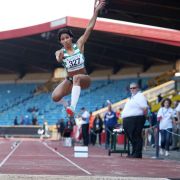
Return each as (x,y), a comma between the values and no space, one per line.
(22,121)
(85,126)
(16,121)
(133,116)
(110,121)
(165,117)
(27,120)
(97,129)
(34,117)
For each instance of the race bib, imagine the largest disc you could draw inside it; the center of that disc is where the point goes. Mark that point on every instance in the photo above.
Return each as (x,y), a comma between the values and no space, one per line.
(74,62)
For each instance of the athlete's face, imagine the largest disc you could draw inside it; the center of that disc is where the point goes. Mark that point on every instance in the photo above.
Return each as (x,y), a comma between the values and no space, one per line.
(66,40)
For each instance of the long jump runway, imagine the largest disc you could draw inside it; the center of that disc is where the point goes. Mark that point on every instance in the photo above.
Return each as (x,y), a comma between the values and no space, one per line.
(35,159)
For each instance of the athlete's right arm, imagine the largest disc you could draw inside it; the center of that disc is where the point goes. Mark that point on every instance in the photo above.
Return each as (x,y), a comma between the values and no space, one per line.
(59,55)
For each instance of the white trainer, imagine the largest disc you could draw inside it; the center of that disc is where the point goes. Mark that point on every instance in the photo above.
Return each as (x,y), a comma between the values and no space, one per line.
(161,152)
(166,153)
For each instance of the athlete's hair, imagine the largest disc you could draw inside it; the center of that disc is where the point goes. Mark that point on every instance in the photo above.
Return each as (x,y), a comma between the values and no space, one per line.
(64,31)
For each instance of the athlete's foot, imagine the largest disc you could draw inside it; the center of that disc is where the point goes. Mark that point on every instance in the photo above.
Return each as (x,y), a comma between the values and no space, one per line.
(70,111)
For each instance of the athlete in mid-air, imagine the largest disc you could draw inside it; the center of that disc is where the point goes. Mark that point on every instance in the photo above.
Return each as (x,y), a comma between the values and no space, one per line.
(72,58)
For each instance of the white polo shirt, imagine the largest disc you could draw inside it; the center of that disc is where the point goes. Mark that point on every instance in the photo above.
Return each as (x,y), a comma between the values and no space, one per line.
(135,106)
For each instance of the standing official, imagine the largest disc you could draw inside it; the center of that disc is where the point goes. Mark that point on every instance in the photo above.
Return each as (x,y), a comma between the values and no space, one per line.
(133,116)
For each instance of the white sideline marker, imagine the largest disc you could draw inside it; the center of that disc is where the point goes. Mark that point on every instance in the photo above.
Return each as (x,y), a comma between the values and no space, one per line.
(81,151)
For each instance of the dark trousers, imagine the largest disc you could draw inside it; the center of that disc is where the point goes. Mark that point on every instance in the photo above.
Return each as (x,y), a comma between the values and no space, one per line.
(85,134)
(166,139)
(108,131)
(133,129)
(91,136)
(99,136)
(94,138)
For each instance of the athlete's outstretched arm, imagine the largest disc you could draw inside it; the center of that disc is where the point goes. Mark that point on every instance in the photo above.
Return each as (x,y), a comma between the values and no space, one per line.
(99,4)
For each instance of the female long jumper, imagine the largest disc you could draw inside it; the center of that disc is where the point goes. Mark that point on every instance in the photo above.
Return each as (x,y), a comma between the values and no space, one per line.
(72,58)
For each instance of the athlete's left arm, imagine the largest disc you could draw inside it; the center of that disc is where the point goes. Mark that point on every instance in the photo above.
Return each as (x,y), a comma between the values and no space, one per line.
(99,4)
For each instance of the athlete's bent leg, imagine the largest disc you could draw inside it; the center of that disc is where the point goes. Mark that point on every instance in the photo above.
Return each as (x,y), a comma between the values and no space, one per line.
(62,90)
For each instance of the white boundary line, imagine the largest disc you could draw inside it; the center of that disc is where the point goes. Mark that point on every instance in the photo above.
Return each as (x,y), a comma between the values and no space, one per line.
(70,177)
(8,156)
(59,154)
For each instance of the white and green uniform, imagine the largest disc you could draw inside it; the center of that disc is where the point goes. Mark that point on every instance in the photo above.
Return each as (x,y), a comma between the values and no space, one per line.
(73,62)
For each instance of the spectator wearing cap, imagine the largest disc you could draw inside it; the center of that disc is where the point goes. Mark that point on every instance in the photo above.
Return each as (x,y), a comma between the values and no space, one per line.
(133,116)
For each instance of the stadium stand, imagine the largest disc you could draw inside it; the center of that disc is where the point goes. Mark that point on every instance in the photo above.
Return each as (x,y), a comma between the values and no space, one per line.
(17,99)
